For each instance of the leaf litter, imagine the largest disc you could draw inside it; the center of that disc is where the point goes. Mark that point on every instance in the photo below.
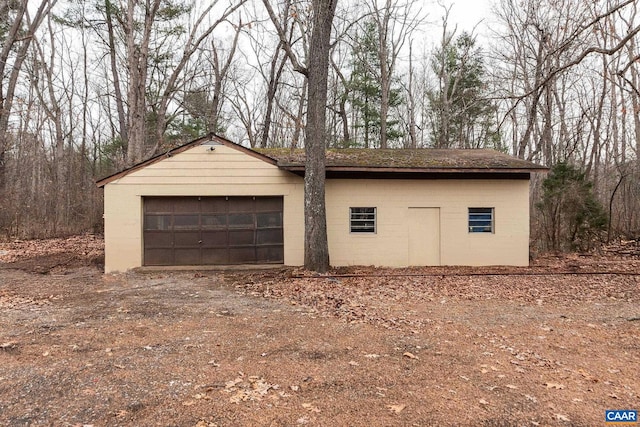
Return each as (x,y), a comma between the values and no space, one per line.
(285,347)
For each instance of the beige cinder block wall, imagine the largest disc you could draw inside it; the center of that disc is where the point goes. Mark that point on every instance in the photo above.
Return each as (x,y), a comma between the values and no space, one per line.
(226,171)
(508,245)
(198,171)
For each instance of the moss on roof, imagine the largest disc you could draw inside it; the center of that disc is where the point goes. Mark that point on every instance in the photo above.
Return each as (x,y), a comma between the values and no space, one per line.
(422,158)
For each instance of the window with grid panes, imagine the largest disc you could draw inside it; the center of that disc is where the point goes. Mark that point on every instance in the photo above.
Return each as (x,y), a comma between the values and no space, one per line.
(481,220)
(362,220)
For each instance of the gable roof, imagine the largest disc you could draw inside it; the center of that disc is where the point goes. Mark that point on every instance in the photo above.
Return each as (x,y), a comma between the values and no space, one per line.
(210,138)
(361,162)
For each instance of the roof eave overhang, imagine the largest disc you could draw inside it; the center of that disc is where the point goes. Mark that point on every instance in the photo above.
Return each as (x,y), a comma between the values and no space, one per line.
(426,173)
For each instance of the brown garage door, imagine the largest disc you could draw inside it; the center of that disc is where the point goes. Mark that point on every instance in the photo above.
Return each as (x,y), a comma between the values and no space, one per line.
(213,230)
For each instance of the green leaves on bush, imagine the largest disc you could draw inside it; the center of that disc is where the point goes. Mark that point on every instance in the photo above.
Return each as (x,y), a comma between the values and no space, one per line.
(572,218)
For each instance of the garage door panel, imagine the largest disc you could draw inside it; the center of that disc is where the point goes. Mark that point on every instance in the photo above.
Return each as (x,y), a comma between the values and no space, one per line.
(158,257)
(158,204)
(214,221)
(269,236)
(157,222)
(187,239)
(241,237)
(187,256)
(214,204)
(241,220)
(242,255)
(270,254)
(186,222)
(215,239)
(241,204)
(158,240)
(219,256)
(187,205)
(269,219)
(213,230)
(269,204)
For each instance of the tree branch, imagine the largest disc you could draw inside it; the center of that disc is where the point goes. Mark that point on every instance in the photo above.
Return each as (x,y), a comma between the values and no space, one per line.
(284,41)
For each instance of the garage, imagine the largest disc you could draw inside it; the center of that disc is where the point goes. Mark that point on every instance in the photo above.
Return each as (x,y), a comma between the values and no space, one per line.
(392,208)
(213,230)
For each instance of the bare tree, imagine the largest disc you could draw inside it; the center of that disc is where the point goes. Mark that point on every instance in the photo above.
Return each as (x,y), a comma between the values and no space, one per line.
(411,102)
(395,22)
(123,124)
(42,72)
(221,71)
(15,46)
(271,65)
(137,60)
(316,246)
(175,81)
(557,36)
(208,87)
(341,94)
(246,111)
(144,33)
(569,77)
(316,256)
(462,116)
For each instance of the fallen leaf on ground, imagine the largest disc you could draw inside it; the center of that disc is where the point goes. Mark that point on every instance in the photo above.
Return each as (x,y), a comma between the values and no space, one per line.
(254,388)
(587,376)
(232,383)
(309,407)
(556,386)
(396,409)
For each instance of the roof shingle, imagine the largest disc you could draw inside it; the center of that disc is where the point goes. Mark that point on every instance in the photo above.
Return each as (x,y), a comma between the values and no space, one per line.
(408,159)
(422,162)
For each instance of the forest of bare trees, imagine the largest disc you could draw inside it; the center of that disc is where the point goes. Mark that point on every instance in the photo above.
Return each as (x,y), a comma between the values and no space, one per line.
(91,87)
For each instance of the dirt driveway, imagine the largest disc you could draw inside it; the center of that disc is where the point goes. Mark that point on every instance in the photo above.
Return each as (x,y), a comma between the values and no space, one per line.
(364,347)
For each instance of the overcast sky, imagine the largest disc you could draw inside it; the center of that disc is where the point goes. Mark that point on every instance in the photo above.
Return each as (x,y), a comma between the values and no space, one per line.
(467,13)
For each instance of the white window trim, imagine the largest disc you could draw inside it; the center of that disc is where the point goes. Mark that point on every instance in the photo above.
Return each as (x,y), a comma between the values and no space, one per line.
(364,231)
(470,228)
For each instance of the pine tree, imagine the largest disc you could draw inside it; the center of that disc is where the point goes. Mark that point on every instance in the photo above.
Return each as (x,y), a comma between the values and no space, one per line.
(366,92)
(461,113)
(572,216)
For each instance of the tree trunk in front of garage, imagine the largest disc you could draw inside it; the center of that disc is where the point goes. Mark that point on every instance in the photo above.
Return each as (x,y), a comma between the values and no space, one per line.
(316,256)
